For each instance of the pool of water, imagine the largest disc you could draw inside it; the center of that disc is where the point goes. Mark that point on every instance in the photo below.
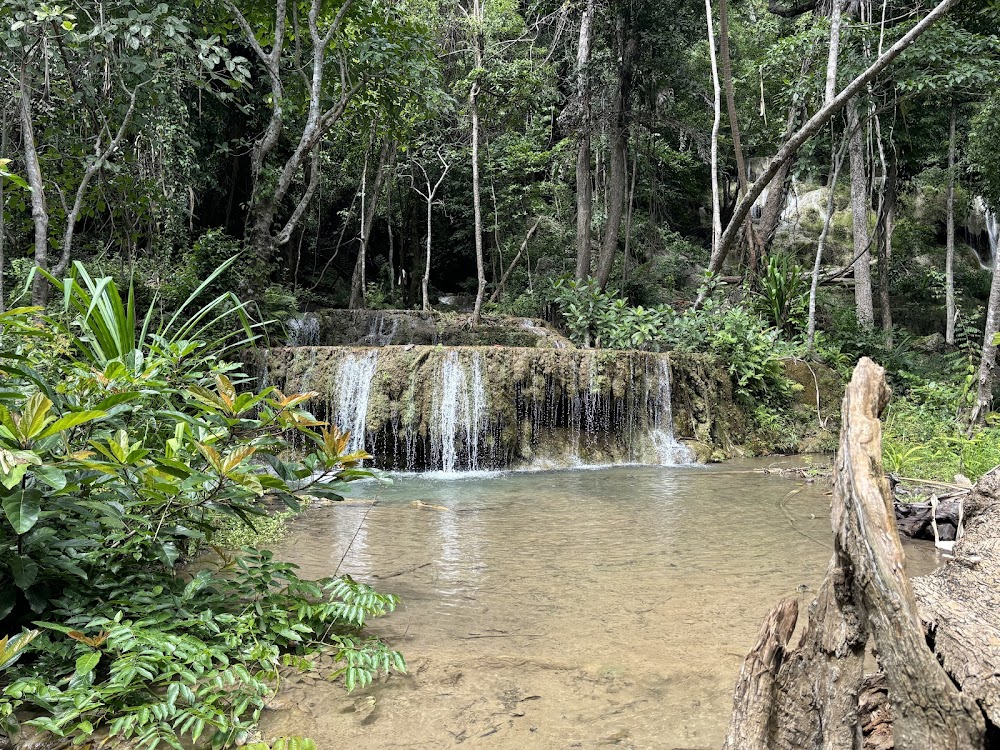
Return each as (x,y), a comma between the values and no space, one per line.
(565,609)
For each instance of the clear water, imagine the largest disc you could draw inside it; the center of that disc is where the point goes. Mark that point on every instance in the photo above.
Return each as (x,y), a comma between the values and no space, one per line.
(568,609)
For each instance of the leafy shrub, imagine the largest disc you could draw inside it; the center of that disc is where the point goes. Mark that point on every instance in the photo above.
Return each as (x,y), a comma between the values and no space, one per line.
(784,293)
(738,337)
(113,463)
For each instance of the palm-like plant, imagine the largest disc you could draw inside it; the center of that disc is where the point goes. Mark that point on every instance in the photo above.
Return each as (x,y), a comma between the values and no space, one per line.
(109,327)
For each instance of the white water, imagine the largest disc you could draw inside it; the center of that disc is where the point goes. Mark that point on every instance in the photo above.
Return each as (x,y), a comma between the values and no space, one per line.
(382,330)
(354,382)
(669,450)
(303,331)
(459,413)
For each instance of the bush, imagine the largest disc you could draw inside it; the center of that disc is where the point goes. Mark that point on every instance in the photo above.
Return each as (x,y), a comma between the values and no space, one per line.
(741,340)
(112,465)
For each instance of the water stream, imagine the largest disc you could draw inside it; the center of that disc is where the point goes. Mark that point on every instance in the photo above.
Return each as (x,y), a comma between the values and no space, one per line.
(567,609)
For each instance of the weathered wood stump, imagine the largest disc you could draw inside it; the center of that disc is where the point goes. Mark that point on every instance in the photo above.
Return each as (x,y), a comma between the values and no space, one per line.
(809,697)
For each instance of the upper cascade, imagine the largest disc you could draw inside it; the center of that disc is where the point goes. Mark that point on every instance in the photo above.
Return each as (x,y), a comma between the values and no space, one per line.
(421,408)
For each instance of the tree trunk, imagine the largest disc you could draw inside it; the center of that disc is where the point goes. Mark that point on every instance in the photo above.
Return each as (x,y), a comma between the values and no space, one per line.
(813,126)
(742,176)
(864,305)
(476,186)
(960,602)
(988,363)
(949,263)
(426,280)
(584,177)
(617,158)
(813,702)
(716,120)
(833,57)
(824,235)
(521,251)
(477,206)
(887,226)
(370,200)
(39,208)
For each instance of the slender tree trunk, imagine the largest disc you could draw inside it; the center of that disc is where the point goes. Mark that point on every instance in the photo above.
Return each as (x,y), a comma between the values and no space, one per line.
(3,214)
(859,212)
(717,108)
(949,263)
(584,177)
(523,250)
(814,124)
(425,282)
(392,249)
(432,189)
(370,199)
(476,186)
(888,226)
(988,364)
(39,208)
(824,235)
(832,61)
(726,60)
(617,158)
(628,218)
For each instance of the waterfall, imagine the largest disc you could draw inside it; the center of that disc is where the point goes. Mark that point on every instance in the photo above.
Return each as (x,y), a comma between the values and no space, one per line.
(669,450)
(459,414)
(993,232)
(452,409)
(303,331)
(381,330)
(355,377)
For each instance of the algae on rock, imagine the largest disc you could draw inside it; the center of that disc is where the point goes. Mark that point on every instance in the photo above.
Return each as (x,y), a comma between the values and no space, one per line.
(491,407)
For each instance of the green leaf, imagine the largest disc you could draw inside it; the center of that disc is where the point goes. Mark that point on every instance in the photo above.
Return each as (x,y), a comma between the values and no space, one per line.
(72,420)
(22,509)
(53,476)
(24,570)
(7,600)
(87,662)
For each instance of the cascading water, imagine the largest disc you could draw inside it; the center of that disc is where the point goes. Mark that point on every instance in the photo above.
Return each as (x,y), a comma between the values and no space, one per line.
(303,331)
(353,392)
(668,448)
(458,412)
(993,232)
(452,409)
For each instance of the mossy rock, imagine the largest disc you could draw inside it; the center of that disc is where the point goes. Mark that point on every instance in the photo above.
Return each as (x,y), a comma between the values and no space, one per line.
(535,402)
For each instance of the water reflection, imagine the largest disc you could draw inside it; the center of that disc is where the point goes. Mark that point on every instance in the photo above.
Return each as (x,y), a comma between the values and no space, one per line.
(622,598)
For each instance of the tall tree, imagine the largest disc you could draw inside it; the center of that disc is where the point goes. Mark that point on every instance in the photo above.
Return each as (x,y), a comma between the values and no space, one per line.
(949,266)
(814,124)
(584,178)
(864,304)
(344,50)
(618,139)
(477,19)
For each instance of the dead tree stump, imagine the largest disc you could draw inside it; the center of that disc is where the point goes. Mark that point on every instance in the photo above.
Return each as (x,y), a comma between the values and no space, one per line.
(808,698)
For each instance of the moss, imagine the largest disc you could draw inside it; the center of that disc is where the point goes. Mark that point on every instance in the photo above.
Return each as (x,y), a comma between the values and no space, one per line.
(540,401)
